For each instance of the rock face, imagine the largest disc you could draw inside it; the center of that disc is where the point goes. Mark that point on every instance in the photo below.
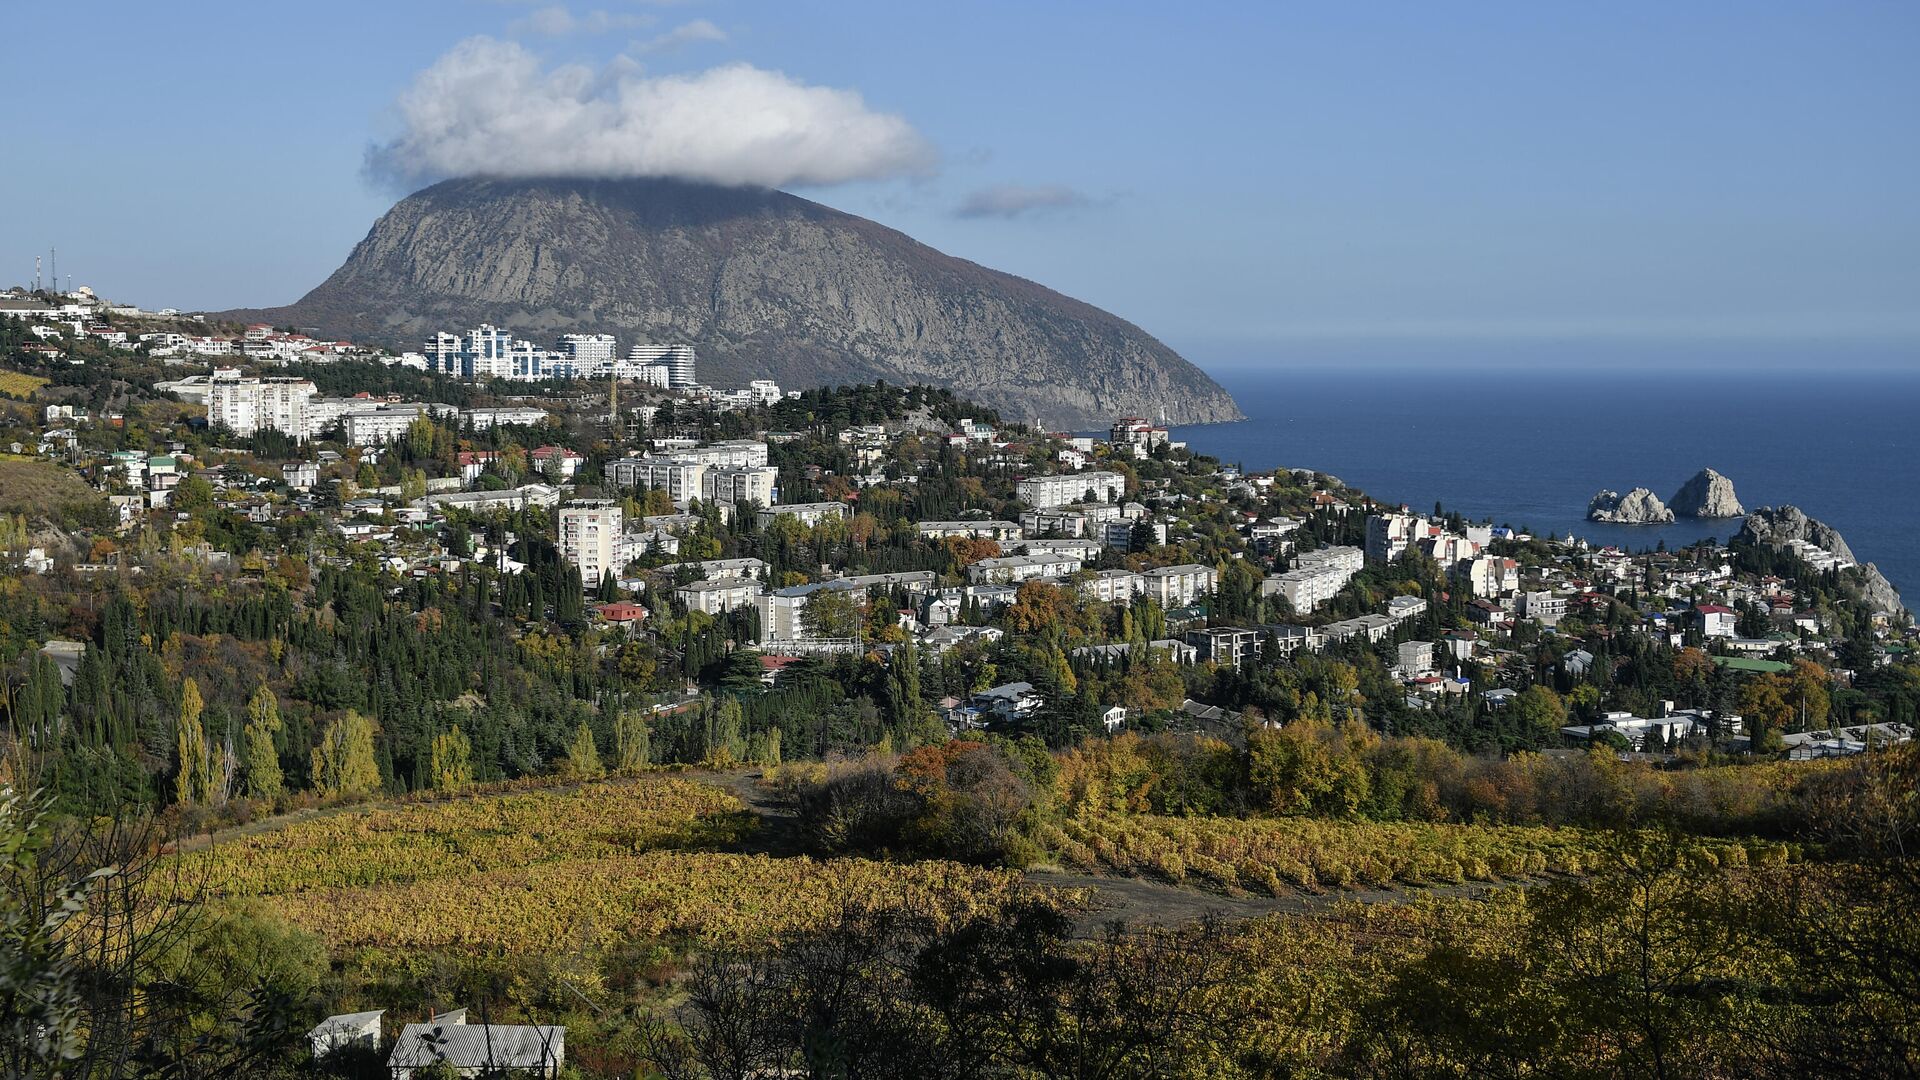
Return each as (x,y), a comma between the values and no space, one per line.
(1707,495)
(1864,581)
(1767,525)
(764,284)
(1636,507)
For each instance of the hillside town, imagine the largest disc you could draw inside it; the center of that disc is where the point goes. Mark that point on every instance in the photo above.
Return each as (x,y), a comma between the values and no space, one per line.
(696,524)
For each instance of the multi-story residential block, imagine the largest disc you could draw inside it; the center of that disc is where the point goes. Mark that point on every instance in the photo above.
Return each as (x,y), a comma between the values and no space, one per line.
(809,514)
(716,595)
(1317,577)
(524,415)
(740,484)
(978,530)
(681,478)
(1042,492)
(590,532)
(1009,569)
(1113,586)
(585,356)
(1490,575)
(1178,586)
(1133,535)
(677,359)
(1415,656)
(718,568)
(1226,645)
(1137,435)
(1544,608)
(373,424)
(1390,535)
(246,406)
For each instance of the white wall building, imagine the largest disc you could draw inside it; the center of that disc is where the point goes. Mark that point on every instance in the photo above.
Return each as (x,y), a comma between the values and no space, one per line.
(1041,492)
(590,537)
(1178,586)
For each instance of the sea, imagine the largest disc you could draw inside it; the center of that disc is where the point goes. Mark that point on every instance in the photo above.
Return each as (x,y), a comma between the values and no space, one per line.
(1529,447)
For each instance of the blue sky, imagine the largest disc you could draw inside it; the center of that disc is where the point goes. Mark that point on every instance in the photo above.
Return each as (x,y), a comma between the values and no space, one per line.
(1251,182)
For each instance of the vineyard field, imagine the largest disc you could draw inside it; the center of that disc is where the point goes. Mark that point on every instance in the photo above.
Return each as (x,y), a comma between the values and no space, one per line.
(1282,856)
(453,838)
(559,869)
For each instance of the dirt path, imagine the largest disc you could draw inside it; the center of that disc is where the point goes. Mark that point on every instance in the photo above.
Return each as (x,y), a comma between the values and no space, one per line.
(1139,901)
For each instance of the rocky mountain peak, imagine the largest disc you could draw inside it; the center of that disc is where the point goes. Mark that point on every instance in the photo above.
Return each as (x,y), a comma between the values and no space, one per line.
(762,283)
(1707,495)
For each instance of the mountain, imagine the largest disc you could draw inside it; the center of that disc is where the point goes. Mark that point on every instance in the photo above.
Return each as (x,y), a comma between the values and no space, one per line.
(764,284)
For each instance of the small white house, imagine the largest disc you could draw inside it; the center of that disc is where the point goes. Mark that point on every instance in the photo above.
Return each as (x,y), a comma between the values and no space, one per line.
(346,1030)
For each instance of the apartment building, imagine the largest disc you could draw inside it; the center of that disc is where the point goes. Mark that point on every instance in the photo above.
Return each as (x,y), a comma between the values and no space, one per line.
(717,595)
(1178,586)
(809,514)
(590,532)
(1016,568)
(741,483)
(1042,492)
(977,530)
(247,406)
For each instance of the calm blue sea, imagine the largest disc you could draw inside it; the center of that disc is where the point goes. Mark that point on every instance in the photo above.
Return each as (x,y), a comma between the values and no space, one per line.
(1529,448)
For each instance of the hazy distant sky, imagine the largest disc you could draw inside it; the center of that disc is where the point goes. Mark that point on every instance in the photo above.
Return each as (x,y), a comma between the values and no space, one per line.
(1239,179)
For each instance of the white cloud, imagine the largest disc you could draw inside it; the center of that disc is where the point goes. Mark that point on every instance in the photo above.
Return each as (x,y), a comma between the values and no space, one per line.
(490,108)
(559,21)
(699,30)
(1013,200)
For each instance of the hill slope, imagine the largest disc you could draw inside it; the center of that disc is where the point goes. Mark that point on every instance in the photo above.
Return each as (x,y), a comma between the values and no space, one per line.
(765,284)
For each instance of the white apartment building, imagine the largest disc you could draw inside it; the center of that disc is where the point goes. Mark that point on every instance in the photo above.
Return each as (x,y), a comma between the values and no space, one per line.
(739,453)
(371,425)
(1042,492)
(809,514)
(741,483)
(677,359)
(1010,569)
(482,419)
(585,356)
(1390,535)
(1178,586)
(716,595)
(246,406)
(978,530)
(590,532)
(763,391)
(1113,586)
(681,478)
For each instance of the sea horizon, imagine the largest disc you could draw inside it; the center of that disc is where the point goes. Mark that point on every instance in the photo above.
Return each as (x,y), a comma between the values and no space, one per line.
(1529,447)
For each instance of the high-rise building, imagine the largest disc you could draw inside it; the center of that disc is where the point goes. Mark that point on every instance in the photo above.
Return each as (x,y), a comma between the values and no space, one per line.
(589,536)
(245,406)
(678,360)
(586,356)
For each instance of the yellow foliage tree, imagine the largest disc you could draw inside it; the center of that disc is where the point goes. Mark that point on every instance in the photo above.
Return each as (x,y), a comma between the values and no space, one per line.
(343,761)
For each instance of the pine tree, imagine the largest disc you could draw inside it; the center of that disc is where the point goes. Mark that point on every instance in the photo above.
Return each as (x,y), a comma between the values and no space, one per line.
(264,779)
(452,760)
(343,761)
(583,757)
